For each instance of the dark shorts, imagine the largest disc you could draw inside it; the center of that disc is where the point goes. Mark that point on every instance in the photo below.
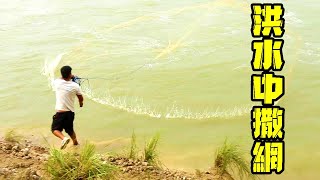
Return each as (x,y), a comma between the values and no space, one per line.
(63,120)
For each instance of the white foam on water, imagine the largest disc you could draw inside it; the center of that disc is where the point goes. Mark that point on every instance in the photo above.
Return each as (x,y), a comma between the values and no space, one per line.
(165,18)
(291,18)
(311,53)
(138,107)
(241,67)
(122,103)
(147,43)
(186,113)
(50,67)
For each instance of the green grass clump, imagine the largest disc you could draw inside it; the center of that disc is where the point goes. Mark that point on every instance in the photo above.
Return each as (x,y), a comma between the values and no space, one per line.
(86,165)
(12,136)
(133,153)
(230,158)
(150,151)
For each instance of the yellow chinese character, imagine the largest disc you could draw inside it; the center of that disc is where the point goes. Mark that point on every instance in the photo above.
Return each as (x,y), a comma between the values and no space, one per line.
(277,156)
(267,123)
(267,17)
(267,157)
(267,55)
(258,162)
(267,88)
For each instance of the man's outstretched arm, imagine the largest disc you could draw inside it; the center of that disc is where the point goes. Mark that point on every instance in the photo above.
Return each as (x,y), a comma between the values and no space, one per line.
(80,98)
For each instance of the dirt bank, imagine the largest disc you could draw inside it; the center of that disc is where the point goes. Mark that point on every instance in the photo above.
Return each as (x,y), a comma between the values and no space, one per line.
(25,160)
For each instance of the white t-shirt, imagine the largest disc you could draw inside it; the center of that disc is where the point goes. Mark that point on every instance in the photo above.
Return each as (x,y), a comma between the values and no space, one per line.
(66,91)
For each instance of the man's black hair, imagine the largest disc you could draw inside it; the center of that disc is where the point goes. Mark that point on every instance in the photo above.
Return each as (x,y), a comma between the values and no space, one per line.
(65,71)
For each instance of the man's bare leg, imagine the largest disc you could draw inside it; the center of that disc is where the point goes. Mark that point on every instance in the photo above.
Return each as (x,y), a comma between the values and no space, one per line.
(74,138)
(58,134)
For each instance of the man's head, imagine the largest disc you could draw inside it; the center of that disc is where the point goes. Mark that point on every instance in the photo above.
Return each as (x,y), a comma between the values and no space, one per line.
(66,72)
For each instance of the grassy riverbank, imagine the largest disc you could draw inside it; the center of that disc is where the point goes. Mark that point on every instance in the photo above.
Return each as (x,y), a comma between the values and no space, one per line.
(21,159)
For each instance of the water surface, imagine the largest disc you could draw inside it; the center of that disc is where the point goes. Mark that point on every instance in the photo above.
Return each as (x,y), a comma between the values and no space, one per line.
(180,68)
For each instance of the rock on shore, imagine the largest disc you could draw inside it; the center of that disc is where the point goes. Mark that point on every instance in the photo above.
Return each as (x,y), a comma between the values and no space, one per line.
(21,160)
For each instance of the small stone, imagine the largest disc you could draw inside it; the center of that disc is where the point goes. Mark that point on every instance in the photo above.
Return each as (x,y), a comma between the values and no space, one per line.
(8,147)
(16,148)
(35,177)
(25,151)
(33,172)
(111,159)
(45,157)
(39,173)
(120,162)
(126,164)
(150,167)
(144,163)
